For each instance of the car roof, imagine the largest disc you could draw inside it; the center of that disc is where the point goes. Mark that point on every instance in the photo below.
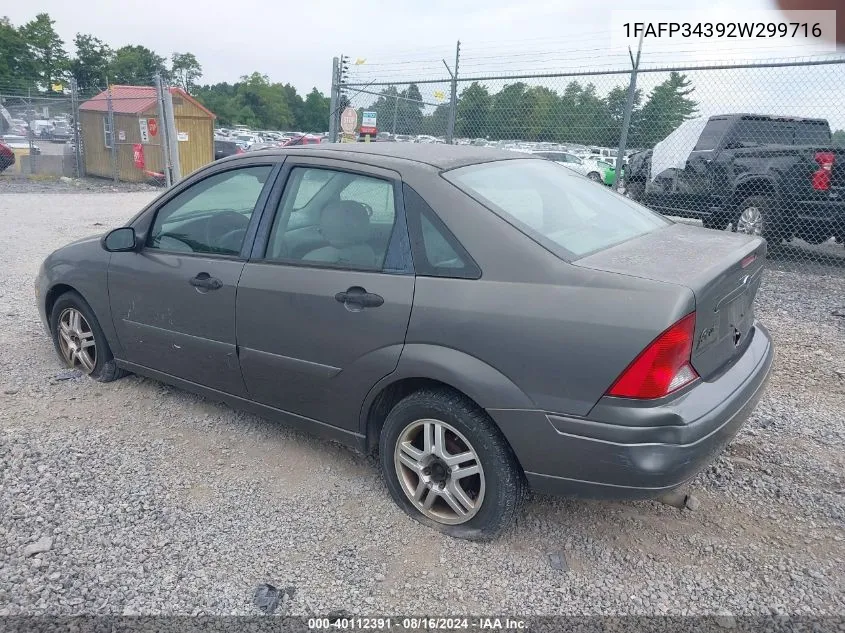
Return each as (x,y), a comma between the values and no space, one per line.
(395,155)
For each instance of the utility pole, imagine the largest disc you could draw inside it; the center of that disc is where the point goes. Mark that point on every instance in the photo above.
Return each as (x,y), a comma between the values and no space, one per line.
(626,119)
(453,104)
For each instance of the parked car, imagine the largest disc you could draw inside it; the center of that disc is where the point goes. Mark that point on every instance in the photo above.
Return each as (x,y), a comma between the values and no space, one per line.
(61,133)
(779,177)
(529,328)
(305,139)
(592,169)
(7,157)
(224,148)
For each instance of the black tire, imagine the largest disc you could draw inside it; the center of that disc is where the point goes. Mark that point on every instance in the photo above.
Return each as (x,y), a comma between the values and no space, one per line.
(505,487)
(105,369)
(771,227)
(594,176)
(635,190)
(713,221)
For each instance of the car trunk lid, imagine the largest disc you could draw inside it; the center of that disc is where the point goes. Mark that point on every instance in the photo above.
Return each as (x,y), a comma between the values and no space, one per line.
(723,270)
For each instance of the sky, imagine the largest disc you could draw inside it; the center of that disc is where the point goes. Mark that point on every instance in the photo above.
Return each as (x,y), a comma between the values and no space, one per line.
(405,40)
(294,41)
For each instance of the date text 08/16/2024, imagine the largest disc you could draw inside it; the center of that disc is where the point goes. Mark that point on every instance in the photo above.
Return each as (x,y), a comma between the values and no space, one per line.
(416,623)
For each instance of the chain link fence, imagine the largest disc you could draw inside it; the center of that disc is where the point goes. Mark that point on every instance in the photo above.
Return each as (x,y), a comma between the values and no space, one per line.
(756,148)
(119,133)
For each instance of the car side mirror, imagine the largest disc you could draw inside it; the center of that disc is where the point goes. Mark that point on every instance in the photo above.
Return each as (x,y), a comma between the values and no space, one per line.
(120,240)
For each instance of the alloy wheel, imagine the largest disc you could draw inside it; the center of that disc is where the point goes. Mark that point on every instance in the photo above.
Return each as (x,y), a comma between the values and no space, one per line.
(76,340)
(439,471)
(750,221)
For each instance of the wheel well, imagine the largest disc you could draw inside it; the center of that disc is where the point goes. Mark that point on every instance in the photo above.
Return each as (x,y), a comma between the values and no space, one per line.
(758,187)
(392,394)
(54,293)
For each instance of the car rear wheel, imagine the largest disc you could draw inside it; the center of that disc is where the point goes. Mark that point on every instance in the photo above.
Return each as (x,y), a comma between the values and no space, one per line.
(449,467)
(80,341)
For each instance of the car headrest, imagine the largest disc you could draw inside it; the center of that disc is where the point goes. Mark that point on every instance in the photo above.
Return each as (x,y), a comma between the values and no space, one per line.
(345,223)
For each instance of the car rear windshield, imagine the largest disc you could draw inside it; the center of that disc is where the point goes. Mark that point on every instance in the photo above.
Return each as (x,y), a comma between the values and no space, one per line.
(561,210)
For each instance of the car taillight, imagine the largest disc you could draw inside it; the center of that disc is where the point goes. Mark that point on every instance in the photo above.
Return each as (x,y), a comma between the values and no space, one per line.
(239,150)
(662,367)
(821,177)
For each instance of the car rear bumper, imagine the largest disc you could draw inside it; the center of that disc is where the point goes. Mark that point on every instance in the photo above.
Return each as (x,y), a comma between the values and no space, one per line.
(633,449)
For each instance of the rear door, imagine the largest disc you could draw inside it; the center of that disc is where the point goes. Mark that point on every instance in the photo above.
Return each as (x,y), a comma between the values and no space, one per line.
(323,306)
(173,302)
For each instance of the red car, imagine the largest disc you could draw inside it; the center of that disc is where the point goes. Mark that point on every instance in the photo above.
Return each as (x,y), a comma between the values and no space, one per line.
(305,139)
(7,156)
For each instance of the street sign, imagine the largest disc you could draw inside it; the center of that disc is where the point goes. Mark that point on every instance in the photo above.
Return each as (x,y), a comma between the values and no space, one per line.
(349,120)
(153,125)
(368,123)
(145,130)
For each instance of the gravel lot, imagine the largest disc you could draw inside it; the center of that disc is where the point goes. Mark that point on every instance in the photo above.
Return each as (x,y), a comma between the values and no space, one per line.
(151,500)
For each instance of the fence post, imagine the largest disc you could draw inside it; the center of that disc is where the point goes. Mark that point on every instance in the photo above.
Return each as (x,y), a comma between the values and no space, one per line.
(626,118)
(112,138)
(74,107)
(172,135)
(164,144)
(333,102)
(33,161)
(453,103)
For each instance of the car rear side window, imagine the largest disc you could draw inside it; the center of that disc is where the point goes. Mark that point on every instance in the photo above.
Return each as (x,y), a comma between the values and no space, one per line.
(566,213)
(346,221)
(712,133)
(437,252)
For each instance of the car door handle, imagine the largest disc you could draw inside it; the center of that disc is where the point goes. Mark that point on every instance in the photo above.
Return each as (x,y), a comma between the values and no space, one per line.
(206,281)
(359,297)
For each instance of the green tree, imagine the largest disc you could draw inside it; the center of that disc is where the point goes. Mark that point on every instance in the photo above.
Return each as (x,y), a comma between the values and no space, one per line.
(47,50)
(435,124)
(185,70)
(17,67)
(294,102)
(474,107)
(315,112)
(261,104)
(90,67)
(839,138)
(667,107)
(136,66)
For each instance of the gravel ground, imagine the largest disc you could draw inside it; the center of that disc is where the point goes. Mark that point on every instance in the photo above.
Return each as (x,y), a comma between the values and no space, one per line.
(151,500)
(11,183)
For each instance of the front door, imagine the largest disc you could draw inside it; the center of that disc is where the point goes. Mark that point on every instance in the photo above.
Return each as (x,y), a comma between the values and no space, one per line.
(322,312)
(173,302)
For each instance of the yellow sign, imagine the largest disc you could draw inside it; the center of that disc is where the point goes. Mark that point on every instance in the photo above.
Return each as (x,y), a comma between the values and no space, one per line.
(360,60)
(439,94)
(57,87)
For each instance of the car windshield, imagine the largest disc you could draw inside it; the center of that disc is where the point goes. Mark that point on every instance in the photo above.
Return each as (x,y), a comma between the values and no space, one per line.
(555,206)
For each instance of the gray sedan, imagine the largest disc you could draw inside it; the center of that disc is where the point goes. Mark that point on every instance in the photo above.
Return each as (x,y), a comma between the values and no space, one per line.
(486,321)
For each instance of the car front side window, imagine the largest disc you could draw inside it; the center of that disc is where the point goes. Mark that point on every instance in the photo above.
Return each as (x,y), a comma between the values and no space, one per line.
(211,216)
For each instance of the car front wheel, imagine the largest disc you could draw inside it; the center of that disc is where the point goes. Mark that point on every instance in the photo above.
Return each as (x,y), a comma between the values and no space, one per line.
(594,176)
(448,466)
(80,341)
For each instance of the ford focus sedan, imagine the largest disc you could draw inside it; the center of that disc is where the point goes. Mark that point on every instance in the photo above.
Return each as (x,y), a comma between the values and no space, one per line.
(487,322)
